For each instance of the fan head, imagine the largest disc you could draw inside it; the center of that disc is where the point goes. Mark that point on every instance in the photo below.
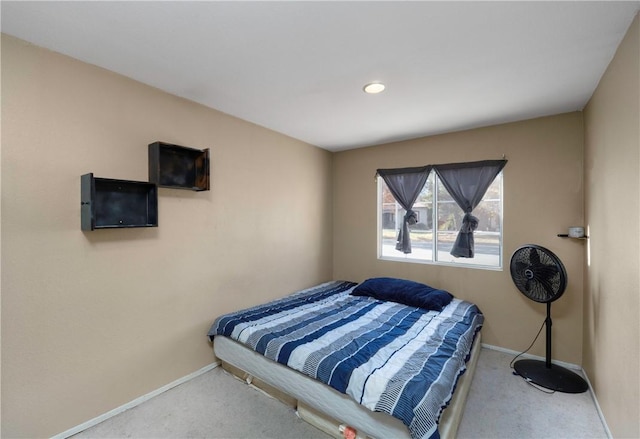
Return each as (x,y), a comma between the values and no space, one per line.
(538,273)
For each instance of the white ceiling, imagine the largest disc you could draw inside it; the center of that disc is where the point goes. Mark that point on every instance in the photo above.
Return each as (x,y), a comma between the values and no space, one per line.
(299,67)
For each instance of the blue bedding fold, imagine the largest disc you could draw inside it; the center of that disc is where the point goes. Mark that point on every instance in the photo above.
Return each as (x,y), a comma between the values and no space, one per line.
(403,291)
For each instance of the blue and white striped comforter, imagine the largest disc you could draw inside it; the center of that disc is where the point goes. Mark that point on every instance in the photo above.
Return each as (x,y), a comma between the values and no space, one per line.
(389,357)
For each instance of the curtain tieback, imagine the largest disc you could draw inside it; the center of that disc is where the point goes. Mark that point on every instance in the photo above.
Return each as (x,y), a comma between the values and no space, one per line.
(411,217)
(469,223)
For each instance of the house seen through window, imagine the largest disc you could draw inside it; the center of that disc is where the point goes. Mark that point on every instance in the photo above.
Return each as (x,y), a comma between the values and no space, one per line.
(438,221)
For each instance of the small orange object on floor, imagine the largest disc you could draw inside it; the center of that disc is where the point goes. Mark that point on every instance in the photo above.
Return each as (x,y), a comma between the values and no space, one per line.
(349,432)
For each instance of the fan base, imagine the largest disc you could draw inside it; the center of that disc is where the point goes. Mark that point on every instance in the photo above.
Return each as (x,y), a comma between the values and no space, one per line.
(555,377)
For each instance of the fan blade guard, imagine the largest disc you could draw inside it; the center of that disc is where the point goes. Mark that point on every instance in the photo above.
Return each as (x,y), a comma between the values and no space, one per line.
(538,273)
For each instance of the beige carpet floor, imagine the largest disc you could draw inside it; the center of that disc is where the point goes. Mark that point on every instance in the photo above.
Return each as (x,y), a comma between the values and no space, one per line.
(216,405)
(503,405)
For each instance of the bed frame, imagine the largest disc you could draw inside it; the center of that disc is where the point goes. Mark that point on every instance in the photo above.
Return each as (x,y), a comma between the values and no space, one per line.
(326,408)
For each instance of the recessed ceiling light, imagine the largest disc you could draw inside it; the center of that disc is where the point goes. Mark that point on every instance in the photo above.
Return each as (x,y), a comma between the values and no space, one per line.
(373,88)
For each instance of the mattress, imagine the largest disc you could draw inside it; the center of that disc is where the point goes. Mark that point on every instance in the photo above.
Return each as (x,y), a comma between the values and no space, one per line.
(389,357)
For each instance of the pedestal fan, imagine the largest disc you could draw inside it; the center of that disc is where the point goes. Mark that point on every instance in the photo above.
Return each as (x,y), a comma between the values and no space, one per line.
(540,275)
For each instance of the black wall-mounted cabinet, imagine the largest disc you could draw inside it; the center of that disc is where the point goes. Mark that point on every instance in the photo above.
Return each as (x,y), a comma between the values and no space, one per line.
(108,203)
(178,167)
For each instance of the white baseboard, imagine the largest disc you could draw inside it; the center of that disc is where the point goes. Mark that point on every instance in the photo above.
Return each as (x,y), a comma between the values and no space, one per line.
(563,364)
(533,357)
(595,400)
(95,421)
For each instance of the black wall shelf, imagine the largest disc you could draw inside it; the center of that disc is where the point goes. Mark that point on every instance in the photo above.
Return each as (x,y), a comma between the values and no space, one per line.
(178,167)
(564,235)
(108,203)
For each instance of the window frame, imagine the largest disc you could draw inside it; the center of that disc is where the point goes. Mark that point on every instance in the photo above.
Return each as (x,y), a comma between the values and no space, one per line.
(458,262)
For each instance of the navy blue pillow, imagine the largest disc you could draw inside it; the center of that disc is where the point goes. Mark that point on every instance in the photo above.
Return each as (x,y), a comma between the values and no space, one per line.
(404,291)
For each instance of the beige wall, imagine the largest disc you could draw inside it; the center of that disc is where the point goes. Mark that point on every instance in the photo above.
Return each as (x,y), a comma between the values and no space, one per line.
(612,203)
(542,197)
(92,320)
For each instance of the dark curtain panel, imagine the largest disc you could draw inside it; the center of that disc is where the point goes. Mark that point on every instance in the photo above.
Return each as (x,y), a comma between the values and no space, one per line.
(405,185)
(467,184)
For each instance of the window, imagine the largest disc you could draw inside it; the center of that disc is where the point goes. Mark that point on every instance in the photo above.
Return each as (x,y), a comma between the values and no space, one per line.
(439,220)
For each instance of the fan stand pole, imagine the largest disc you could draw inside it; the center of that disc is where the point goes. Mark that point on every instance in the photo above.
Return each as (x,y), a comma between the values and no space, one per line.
(548,324)
(548,375)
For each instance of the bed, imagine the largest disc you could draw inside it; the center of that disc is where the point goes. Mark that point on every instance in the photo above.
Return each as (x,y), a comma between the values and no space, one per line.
(381,359)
